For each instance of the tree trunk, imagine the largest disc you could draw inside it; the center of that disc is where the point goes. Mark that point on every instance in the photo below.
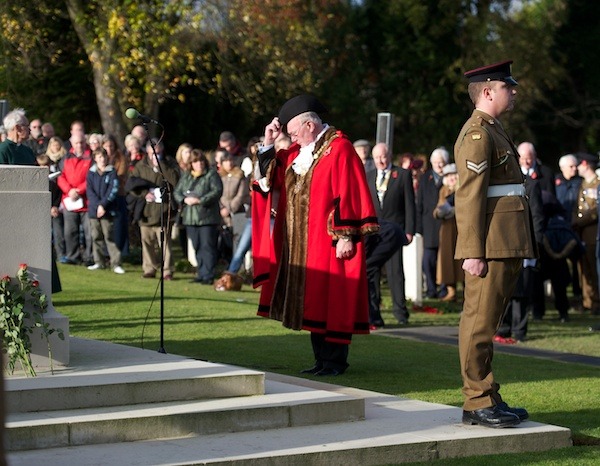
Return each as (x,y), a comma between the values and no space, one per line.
(109,109)
(108,103)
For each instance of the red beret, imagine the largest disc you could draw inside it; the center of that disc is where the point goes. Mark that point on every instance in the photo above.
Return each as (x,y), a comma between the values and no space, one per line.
(496,72)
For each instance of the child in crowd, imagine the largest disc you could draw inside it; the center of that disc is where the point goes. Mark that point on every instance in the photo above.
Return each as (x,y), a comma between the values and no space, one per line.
(102,188)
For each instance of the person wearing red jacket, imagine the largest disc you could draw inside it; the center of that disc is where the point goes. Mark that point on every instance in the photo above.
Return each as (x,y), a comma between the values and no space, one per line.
(72,183)
(312,267)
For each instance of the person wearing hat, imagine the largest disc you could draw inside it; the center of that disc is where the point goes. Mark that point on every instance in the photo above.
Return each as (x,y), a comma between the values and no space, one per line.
(585,224)
(448,269)
(491,196)
(363,149)
(312,266)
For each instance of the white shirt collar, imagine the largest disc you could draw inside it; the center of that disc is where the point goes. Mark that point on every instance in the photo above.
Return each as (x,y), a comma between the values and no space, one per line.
(304,160)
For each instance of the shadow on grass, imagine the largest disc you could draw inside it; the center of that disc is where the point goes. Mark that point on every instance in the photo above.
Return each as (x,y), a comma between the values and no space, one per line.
(112,300)
(388,365)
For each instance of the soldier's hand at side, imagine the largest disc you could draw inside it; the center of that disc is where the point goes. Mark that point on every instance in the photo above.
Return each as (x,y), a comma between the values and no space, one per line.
(272,132)
(476,267)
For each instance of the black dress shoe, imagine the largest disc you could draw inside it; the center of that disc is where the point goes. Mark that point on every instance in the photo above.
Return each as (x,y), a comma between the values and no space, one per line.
(328,371)
(401,317)
(490,417)
(521,412)
(312,370)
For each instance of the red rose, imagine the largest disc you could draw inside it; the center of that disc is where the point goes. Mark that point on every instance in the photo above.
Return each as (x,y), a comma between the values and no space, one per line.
(533,176)
(35,283)
(23,266)
(394,174)
(6,278)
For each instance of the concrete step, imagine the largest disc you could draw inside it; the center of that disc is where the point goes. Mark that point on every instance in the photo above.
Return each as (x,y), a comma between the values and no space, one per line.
(395,430)
(318,420)
(135,377)
(283,406)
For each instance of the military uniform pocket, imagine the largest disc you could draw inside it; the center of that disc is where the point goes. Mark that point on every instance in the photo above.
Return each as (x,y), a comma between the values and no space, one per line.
(507,227)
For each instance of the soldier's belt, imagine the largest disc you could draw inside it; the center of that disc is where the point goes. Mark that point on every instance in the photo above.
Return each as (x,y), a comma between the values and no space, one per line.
(500,190)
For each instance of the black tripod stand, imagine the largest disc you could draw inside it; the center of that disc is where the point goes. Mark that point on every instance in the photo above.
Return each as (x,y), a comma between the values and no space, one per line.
(165,196)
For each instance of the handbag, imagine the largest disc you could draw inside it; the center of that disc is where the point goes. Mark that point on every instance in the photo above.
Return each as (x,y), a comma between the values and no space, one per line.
(225,242)
(179,218)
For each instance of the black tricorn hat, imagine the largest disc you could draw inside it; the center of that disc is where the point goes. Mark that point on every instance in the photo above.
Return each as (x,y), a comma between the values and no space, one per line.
(496,72)
(300,104)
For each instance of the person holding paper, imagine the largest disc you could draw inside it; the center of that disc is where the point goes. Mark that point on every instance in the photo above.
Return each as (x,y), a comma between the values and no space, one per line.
(72,183)
(149,175)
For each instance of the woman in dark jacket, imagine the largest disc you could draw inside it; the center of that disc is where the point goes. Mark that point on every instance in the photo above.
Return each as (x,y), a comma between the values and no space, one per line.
(199,191)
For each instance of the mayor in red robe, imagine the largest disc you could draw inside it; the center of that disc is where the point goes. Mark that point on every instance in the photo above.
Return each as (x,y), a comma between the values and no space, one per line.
(311,208)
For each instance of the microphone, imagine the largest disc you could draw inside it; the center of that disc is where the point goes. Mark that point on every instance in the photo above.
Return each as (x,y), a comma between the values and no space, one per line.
(132,114)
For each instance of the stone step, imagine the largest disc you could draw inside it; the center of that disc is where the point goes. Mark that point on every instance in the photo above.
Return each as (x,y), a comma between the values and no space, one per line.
(285,406)
(136,377)
(394,431)
(317,418)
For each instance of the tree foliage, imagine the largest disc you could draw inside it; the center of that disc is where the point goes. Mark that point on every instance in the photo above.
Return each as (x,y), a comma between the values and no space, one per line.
(230,64)
(42,65)
(138,51)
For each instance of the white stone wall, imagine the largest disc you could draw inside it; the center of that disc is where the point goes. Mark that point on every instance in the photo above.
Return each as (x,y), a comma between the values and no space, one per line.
(25,232)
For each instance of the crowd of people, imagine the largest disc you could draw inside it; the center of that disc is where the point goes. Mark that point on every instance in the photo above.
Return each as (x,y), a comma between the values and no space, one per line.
(326,215)
(107,195)
(565,217)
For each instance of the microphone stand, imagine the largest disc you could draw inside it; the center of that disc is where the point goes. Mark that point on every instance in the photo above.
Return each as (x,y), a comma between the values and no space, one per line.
(165,195)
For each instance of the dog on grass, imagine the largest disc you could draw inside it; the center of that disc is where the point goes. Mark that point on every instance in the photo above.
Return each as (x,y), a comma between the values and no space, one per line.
(229,282)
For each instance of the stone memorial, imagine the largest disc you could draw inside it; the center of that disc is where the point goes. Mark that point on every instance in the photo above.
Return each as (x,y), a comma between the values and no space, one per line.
(25,229)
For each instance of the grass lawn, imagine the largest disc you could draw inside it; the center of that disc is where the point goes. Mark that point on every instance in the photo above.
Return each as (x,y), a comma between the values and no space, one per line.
(222,327)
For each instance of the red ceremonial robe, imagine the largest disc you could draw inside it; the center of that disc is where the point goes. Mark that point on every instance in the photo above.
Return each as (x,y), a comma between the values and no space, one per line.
(304,285)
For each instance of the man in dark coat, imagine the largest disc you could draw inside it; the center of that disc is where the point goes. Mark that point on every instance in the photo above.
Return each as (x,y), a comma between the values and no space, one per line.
(567,184)
(533,168)
(394,199)
(12,149)
(427,225)
(150,179)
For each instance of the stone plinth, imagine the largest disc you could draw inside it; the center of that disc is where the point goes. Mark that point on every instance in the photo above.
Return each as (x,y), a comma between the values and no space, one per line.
(412,257)
(25,229)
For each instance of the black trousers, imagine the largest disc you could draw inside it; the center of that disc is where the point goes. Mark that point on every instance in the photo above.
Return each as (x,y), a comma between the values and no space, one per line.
(514,321)
(378,249)
(329,355)
(204,239)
